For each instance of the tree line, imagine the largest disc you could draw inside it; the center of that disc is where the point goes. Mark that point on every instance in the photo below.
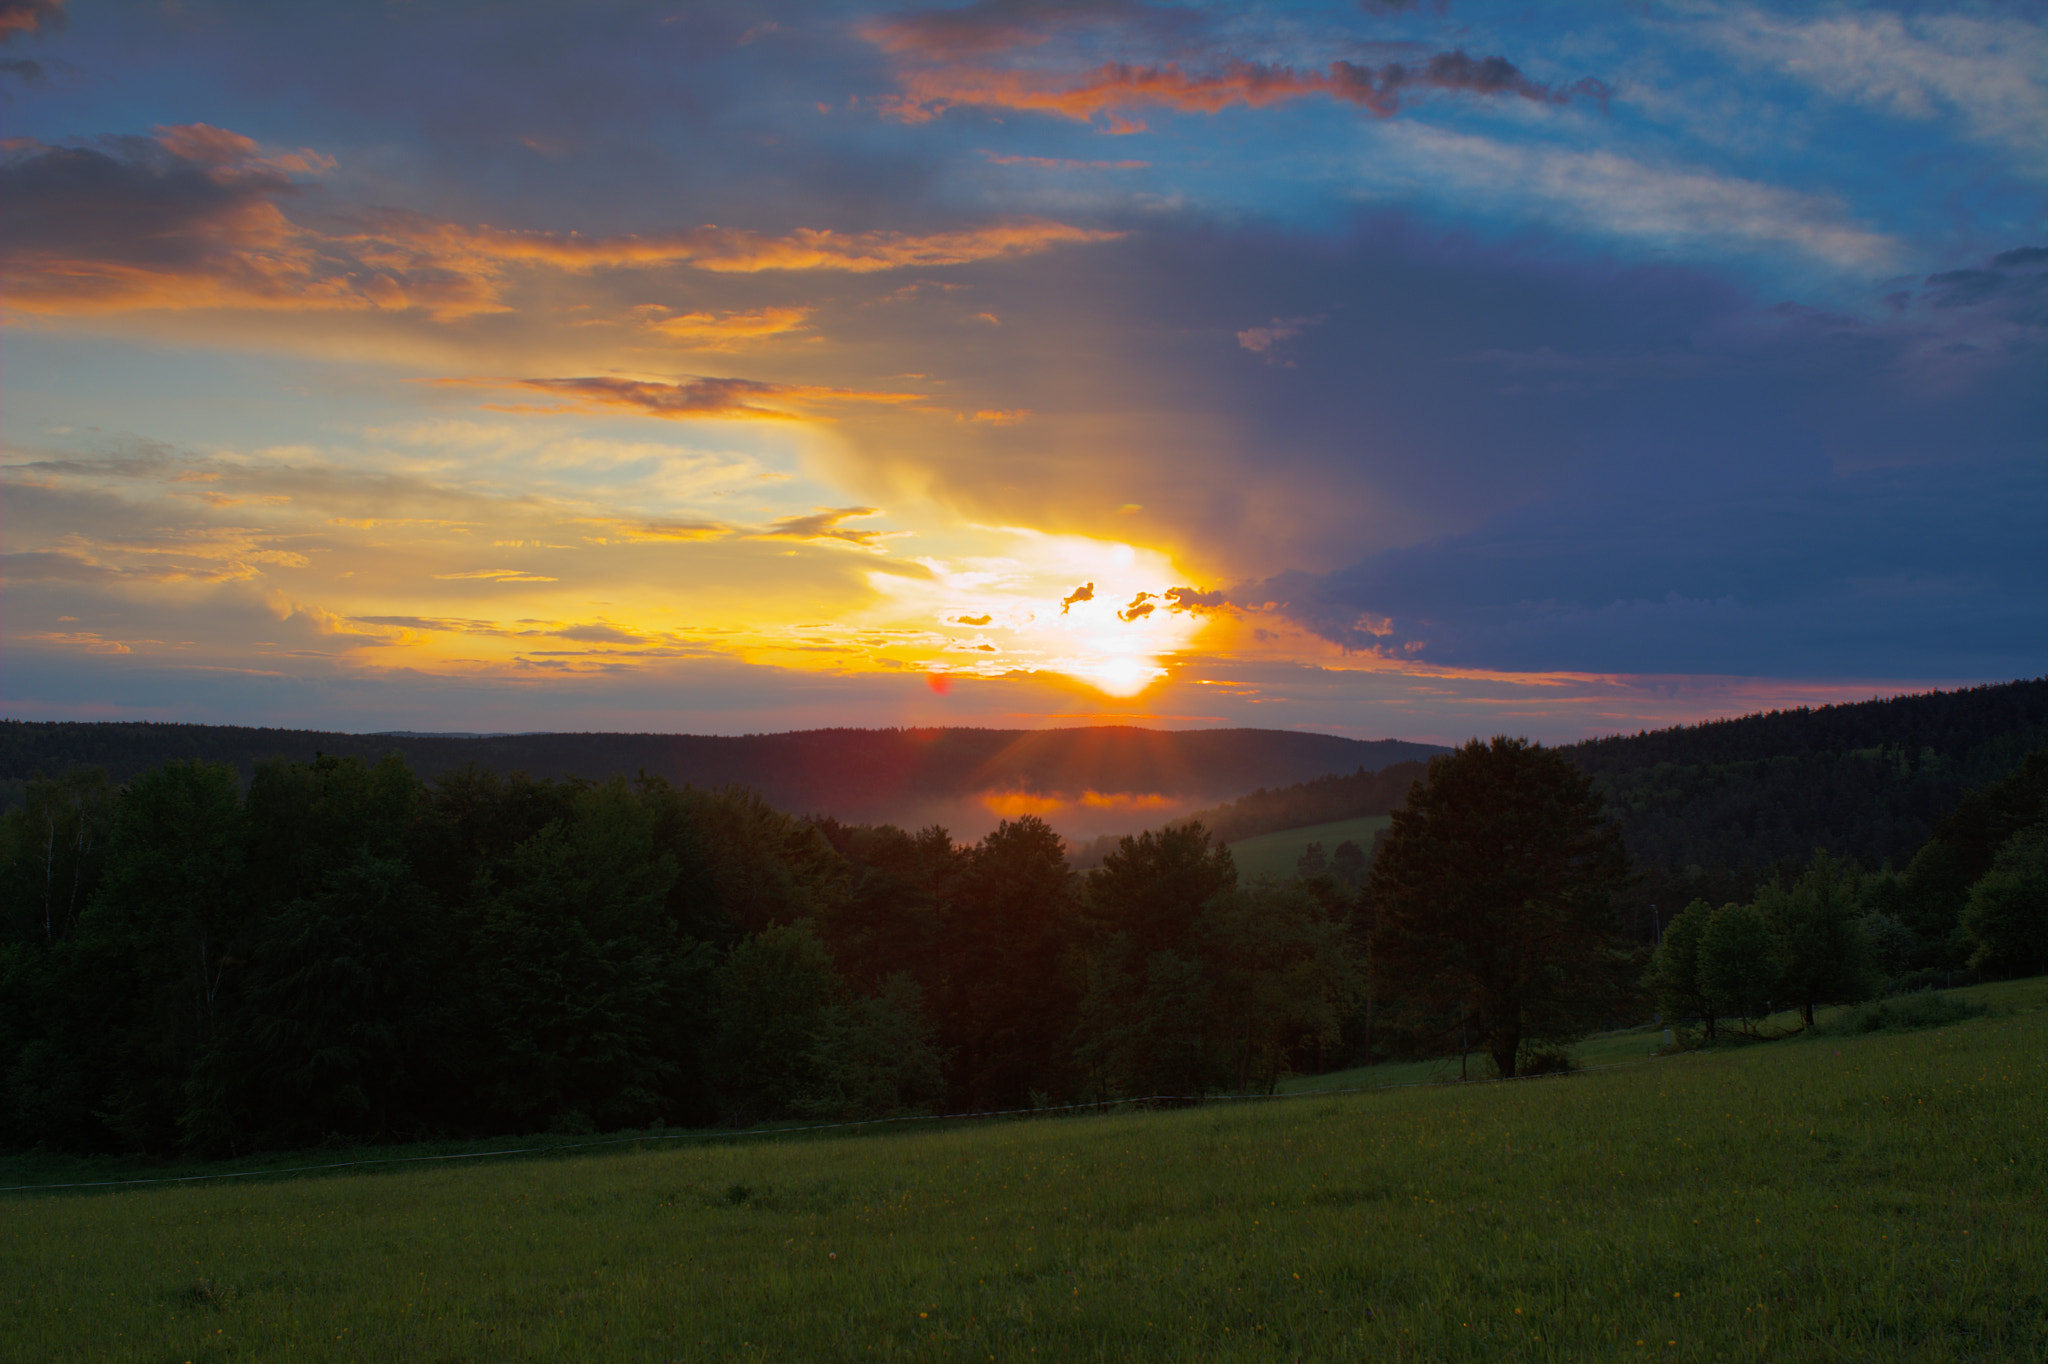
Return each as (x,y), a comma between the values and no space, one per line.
(343,951)
(1974,897)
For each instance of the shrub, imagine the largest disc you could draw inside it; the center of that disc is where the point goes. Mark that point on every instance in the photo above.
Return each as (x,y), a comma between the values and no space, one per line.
(1904,1013)
(1539,1058)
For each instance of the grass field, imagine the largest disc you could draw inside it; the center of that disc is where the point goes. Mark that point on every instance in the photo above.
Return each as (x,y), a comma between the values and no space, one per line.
(1870,1197)
(1275,855)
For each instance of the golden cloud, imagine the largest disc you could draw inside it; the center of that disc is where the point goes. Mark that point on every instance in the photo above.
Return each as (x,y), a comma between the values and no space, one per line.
(688,396)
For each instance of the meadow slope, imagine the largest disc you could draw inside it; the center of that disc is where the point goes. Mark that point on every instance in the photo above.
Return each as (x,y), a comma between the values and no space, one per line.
(1822,1199)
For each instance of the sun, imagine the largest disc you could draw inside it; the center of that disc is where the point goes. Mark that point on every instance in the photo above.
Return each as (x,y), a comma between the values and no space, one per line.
(1121,676)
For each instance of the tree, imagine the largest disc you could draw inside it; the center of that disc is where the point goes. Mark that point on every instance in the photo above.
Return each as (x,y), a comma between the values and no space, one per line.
(876,1057)
(156,952)
(1284,976)
(1492,894)
(1153,887)
(1348,864)
(1821,957)
(1674,979)
(2006,919)
(1736,971)
(773,997)
(1008,1004)
(581,981)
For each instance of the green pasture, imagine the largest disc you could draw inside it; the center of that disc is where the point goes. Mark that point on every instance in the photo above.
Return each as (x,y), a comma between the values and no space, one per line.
(1872,1196)
(1275,855)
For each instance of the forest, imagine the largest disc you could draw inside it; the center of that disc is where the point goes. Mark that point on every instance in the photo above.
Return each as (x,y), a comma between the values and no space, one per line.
(338,949)
(342,950)
(901,776)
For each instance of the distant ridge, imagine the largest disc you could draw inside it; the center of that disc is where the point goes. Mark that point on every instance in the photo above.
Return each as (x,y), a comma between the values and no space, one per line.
(897,775)
(1864,779)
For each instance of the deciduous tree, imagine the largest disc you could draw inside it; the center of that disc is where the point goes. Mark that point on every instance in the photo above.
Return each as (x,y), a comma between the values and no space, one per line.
(1492,892)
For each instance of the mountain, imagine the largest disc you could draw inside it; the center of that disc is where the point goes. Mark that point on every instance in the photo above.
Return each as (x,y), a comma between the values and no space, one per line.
(1082,779)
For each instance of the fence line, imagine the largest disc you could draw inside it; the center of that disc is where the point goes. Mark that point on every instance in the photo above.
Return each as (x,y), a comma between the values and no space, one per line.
(712,1136)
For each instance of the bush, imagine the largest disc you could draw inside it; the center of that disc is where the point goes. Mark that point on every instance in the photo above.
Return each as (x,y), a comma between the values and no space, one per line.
(1928,978)
(1904,1013)
(1539,1058)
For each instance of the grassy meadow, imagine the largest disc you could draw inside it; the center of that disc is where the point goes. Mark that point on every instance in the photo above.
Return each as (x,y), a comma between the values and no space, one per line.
(1853,1196)
(1276,855)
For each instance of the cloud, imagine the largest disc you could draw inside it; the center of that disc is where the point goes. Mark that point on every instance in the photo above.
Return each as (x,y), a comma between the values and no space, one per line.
(1990,72)
(598,633)
(495,575)
(1608,193)
(1264,340)
(992,26)
(1737,571)
(1113,86)
(1085,592)
(1189,599)
(690,396)
(25,18)
(824,524)
(193,218)
(1063,163)
(481,250)
(726,331)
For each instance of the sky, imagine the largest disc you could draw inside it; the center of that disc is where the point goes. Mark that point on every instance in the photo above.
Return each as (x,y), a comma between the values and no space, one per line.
(1420,370)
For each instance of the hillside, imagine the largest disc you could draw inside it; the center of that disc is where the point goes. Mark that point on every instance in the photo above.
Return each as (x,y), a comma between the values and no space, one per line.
(1867,780)
(903,776)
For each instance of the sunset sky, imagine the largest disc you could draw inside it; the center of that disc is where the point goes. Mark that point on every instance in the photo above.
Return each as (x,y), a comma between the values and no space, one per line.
(1418,370)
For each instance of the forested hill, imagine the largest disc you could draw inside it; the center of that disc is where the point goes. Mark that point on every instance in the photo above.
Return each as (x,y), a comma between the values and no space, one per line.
(1866,780)
(1320,800)
(895,775)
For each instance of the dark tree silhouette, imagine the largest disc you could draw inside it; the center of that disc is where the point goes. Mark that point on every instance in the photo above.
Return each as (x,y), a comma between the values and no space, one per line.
(1492,897)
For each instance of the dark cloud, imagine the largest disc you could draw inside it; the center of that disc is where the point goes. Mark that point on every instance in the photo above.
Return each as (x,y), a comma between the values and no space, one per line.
(595,634)
(1380,88)
(1888,572)
(2013,286)
(51,566)
(972,620)
(824,525)
(1140,607)
(1215,82)
(80,219)
(688,396)
(1189,599)
(1085,592)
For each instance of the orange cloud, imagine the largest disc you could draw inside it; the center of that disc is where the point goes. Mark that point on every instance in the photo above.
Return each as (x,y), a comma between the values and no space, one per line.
(689,396)
(722,331)
(191,219)
(1085,95)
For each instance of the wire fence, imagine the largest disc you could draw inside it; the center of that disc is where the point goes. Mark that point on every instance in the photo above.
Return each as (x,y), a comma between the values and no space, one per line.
(709,1136)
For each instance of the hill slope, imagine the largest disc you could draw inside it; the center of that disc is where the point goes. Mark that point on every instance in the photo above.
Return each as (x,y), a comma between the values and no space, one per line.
(1866,780)
(898,775)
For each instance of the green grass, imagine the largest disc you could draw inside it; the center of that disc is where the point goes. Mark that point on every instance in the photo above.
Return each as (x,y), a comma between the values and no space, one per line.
(1875,1196)
(1275,855)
